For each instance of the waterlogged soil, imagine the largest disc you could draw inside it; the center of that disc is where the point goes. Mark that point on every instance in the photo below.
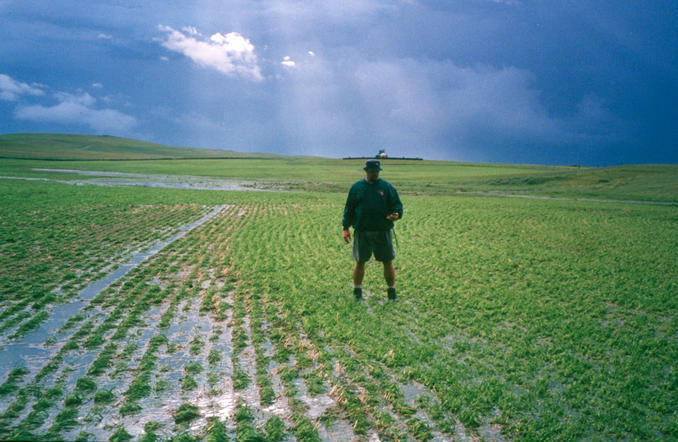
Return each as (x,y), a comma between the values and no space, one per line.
(155,370)
(30,351)
(162,181)
(159,407)
(194,335)
(102,178)
(511,321)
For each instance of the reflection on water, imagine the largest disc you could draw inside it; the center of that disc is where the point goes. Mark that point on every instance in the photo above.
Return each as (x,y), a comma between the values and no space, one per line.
(30,350)
(156,180)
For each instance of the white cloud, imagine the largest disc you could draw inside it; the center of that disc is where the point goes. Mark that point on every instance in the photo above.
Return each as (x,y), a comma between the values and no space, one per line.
(77,110)
(287,61)
(97,85)
(311,53)
(10,89)
(190,30)
(104,36)
(83,99)
(163,58)
(231,54)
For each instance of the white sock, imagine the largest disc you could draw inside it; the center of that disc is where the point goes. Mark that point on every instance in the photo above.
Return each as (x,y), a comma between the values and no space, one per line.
(391,286)
(357,286)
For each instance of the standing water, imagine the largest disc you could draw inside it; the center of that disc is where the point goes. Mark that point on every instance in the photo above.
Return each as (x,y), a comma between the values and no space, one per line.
(31,352)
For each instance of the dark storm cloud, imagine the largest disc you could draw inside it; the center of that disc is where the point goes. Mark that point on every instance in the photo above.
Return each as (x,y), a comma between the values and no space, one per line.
(550,82)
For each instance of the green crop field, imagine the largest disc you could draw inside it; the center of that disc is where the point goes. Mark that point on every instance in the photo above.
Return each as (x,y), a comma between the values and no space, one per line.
(229,315)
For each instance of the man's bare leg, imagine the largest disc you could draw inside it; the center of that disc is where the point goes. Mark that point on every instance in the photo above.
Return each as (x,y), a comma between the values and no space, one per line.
(389,273)
(358,273)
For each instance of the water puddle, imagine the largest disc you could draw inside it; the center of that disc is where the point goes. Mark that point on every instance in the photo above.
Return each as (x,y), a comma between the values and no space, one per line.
(317,404)
(248,363)
(280,407)
(222,403)
(101,178)
(490,431)
(160,406)
(339,430)
(97,419)
(411,392)
(31,352)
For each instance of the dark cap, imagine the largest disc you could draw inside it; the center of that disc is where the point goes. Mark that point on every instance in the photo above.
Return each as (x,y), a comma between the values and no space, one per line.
(372,166)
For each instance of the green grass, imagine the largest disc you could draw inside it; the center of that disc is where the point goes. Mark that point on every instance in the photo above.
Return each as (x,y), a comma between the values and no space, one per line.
(189,383)
(121,435)
(103,147)
(49,257)
(186,413)
(104,397)
(85,385)
(14,377)
(547,310)
(554,320)
(652,182)
(216,431)
(193,368)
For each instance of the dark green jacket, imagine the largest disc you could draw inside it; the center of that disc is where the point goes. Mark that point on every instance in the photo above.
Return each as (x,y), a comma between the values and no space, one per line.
(368,204)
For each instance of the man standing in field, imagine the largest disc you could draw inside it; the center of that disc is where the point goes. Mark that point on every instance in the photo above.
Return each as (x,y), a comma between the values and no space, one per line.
(371,207)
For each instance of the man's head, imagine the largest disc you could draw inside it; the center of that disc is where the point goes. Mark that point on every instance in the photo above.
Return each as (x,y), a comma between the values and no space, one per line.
(372,168)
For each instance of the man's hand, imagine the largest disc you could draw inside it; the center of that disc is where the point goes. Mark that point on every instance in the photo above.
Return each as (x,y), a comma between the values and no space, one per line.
(393,217)
(347,235)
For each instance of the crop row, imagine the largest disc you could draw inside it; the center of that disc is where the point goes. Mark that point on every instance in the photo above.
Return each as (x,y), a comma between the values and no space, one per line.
(174,350)
(515,318)
(512,320)
(124,304)
(51,254)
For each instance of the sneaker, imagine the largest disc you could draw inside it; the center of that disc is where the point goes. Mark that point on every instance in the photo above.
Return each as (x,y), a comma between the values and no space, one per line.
(358,293)
(391,293)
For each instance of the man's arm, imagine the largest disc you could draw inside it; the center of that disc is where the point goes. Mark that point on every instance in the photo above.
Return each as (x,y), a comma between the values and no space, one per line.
(395,206)
(349,214)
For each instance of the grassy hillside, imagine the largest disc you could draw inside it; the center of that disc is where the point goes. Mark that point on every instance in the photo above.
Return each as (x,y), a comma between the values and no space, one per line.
(104,147)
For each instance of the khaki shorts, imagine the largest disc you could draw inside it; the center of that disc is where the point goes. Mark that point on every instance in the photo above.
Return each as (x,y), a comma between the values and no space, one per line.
(379,242)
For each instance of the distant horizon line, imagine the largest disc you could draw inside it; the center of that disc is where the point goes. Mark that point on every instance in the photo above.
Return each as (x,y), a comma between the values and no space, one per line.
(274,153)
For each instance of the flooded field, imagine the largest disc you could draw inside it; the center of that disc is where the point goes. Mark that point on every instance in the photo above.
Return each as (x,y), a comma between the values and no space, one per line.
(161,347)
(144,313)
(101,178)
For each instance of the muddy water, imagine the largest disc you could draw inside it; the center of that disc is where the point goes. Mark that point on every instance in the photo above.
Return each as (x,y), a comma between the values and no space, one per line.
(31,352)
